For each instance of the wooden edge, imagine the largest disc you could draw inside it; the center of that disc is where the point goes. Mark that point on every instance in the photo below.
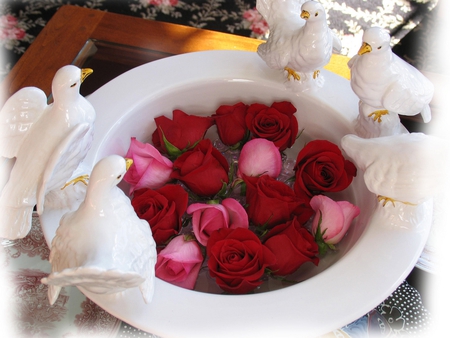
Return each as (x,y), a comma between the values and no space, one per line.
(61,39)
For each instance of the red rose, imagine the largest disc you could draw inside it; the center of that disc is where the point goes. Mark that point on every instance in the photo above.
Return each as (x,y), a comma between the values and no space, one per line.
(237,259)
(230,121)
(203,169)
(271,202)
(292,246)
(276,123)
(182,132)
(162,209)
(321,167)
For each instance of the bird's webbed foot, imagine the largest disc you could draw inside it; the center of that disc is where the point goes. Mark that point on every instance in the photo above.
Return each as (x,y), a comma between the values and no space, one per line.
(292,73)
(83,179)
(377,115)
(316,74)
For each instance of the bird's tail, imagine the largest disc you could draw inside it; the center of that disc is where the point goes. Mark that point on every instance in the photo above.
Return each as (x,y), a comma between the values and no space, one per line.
(53,293)
(426,114)
(15,222)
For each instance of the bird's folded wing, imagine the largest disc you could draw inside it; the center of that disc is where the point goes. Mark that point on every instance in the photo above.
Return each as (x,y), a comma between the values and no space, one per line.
(410,92)
(64,160)
(18,114)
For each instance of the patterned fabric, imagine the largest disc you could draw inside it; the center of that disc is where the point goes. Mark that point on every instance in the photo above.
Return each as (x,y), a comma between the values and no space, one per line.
(22,20)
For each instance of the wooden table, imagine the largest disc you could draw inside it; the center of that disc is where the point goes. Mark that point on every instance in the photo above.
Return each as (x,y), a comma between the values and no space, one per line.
(103,41)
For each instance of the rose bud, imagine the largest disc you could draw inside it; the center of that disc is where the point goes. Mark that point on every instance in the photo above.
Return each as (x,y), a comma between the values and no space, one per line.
(237,259)
(207,218)
(276,123)
(179,262)
(271,202)
(332,218)
(321,167)
(162,209)
(292,245)
(180,133)
(259,156)
(204,170)
(230,122)
(149,169)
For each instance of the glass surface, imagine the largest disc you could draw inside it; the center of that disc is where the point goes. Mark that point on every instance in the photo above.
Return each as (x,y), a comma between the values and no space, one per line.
(109,60)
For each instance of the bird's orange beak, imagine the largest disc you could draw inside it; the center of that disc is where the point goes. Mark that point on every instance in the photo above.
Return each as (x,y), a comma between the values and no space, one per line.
(365,48)
(304,15)
(85,72)
(128,163)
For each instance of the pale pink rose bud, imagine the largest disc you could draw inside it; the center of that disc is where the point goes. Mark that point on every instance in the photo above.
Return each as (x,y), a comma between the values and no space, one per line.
(149,169)
(259,157)
(179,262)
(336,217)
(207,218)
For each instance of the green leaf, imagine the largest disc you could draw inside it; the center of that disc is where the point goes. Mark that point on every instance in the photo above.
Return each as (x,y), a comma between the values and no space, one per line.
(172,151)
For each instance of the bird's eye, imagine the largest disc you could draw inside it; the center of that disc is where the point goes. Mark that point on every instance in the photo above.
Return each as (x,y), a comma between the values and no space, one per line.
(317,13)
(379,47)
(73,85)
(119,177)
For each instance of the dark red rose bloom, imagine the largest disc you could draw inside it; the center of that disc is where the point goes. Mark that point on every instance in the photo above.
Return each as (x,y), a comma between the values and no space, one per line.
(271,202)
(230,121)
(292,246)
(276,123)
(203,169)
(162,209)
(321,167)
(183,131)
(237,259)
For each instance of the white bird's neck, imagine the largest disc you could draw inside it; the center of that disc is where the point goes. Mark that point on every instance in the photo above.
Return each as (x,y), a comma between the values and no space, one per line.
(315,27)
(375,60)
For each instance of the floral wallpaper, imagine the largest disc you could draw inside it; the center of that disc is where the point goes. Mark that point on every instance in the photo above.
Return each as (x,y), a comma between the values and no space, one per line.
(22,20)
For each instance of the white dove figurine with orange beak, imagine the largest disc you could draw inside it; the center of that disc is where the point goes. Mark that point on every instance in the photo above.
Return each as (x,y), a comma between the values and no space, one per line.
(45,143)
(387,87)
(103,247)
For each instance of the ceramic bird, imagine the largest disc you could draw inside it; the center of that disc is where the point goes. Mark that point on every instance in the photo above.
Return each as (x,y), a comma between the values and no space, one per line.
(300,41)
(47,143)
(404,168)
(103,246)
(387,85)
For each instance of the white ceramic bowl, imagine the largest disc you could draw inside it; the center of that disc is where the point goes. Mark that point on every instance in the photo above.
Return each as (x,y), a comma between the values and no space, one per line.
(374,258)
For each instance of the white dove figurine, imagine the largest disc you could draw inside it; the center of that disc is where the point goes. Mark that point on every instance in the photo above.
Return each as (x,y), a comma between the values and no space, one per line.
(403,168)
(103,247)
(300,41)
(45,143)
(387,86)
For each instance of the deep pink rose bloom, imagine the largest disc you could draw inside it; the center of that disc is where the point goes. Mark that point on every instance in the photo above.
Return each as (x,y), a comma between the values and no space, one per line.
(259,156)
(230,122)
(149,169)
(207,218)
(336,217)
(179,262)
(276,123)
(203,169)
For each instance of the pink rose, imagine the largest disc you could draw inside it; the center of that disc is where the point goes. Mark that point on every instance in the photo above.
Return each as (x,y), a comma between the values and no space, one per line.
(334,219)
(259,156)
(207,218)
(149,169)
(179,262)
